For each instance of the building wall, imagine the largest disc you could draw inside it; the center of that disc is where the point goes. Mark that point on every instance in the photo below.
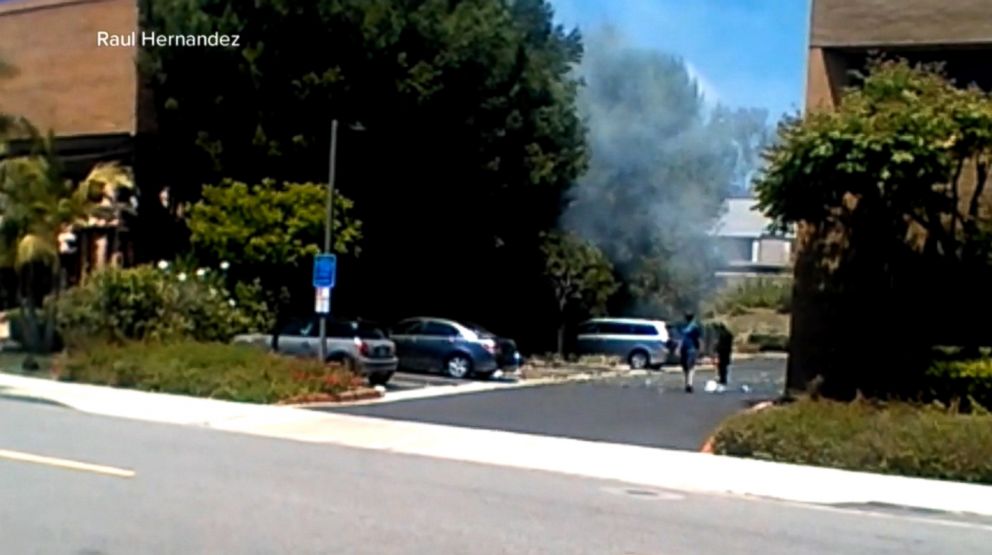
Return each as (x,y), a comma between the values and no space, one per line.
(844,32)
(64,82)
(847,23)
(774,252)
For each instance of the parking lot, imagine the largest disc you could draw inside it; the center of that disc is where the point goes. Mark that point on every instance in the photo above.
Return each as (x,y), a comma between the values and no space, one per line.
(648,410)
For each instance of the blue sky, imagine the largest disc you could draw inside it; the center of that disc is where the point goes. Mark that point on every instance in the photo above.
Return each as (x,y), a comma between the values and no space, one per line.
(749,53)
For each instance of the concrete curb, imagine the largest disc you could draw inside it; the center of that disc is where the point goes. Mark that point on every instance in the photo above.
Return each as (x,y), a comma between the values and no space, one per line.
(643,466)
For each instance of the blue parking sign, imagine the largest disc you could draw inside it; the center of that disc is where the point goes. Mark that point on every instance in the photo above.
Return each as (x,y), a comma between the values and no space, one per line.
(324,270)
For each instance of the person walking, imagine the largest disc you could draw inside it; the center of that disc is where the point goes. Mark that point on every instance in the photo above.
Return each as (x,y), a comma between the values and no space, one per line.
(689,348)
(724,349)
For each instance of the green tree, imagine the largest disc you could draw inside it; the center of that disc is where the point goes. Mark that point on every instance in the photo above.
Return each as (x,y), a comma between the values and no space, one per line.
(580,275)
(38,204)
(469,110)
(270,231)
(890,191)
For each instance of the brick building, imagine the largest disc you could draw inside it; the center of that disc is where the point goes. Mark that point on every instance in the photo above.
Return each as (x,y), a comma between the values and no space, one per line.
(845,32)
(86,95)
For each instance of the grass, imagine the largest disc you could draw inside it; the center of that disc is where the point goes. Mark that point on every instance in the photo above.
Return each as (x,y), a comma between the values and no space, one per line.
(213,370)
(893,438)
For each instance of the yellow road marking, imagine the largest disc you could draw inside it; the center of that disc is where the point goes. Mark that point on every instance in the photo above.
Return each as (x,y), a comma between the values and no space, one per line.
(65,463)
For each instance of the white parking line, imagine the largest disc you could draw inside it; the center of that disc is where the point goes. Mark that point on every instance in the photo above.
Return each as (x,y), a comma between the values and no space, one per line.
(66,463)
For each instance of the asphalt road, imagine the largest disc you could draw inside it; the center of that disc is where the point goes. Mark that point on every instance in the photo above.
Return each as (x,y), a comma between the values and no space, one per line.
(649,410)
(200,491)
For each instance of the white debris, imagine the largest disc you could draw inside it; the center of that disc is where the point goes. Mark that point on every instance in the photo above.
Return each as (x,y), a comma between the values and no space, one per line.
(711,386)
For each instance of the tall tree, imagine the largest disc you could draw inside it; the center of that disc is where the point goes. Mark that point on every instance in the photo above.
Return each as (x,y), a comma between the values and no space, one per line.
(38,204)
(581,278)
(269,231)
(471,129)
(750,134)
(891,191)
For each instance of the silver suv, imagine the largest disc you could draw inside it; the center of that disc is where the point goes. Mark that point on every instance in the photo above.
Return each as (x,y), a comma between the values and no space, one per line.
(362,346)
(642,343)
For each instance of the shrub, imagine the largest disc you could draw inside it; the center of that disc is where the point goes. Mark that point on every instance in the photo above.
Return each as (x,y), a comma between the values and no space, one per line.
(767,342)
(968,382)
(767,293)
(909,440)
(220,371)
(155,304)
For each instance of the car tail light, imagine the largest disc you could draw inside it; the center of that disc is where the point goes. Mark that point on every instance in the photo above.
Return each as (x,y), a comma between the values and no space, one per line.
(489,345)
(363,347)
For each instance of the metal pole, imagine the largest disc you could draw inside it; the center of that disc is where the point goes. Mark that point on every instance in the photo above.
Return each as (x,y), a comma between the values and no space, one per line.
(327,228)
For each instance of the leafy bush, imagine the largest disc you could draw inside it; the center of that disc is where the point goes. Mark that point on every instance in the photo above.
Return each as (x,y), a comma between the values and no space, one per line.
(968,382)
(220,371)
(895,438)
(765,342)
(768,293)
(153,303)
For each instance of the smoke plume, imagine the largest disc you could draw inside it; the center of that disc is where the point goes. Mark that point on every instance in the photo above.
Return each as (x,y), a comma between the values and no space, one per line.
(661,165)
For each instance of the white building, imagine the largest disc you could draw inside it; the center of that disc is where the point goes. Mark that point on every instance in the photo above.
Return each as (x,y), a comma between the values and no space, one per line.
(748,247)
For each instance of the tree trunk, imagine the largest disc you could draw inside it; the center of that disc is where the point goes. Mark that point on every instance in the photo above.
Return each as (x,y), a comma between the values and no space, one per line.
(561,340)
(51,315)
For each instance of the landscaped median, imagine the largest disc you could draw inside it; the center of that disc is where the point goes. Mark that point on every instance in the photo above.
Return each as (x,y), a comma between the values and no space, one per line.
(212,370)
(886,438)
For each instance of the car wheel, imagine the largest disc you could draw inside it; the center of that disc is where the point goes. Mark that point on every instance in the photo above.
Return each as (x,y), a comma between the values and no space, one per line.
(380,378)
(458,366)
(638,360)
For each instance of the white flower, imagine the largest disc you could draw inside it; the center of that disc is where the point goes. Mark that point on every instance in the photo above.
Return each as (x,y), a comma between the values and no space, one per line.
(225,265)
(231,302)
(182,276)
(201,272)
(163,265)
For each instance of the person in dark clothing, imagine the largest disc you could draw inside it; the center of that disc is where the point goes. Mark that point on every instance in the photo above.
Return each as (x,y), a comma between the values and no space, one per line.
(692,336)
(724,348)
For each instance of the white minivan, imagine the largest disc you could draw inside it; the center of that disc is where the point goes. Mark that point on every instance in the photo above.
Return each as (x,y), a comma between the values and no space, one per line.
(642,343)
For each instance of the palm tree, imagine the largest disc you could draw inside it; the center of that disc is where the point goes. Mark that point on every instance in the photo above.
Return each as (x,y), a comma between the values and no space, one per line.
(37,206)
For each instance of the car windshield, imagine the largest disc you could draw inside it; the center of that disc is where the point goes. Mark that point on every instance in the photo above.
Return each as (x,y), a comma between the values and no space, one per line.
(480,331)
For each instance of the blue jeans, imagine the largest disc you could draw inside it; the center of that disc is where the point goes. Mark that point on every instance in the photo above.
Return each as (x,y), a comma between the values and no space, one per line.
(688,359)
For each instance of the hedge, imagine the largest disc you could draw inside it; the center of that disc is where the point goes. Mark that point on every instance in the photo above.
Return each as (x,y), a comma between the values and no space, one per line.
(968,382)
(220,371)
(897,438)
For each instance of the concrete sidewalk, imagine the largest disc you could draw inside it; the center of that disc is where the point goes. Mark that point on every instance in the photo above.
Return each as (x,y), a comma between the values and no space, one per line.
(676,470)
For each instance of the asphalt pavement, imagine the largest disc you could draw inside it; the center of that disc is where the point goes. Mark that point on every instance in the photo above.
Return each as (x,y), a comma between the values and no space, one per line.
(651,410)
(174,489)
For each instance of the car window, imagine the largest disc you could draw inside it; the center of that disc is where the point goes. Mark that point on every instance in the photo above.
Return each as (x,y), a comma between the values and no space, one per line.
(437,329)
(643,329)
(299,327)
(588,328)
(409,327)
(340,330)
(614,328)
(363,330)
